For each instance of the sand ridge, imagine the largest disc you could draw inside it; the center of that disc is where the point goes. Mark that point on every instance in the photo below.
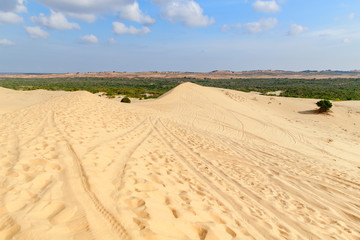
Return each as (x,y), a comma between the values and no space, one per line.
(11,100)
(197,163)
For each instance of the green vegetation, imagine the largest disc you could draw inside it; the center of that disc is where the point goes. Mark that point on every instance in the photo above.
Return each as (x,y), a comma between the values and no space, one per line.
(136,88)
(126,100)
(324,105)
(332,89)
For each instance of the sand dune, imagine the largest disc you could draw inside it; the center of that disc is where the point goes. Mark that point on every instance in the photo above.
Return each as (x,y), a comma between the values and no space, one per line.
(198,163)
(11,100)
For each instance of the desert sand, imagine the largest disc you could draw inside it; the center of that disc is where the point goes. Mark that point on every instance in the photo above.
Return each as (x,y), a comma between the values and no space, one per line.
(197,163)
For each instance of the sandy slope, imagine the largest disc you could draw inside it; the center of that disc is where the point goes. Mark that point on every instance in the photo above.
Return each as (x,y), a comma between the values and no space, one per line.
(11,100)
(198,163)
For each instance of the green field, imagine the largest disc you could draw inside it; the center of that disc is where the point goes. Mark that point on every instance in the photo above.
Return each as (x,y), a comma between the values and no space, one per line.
(333,89)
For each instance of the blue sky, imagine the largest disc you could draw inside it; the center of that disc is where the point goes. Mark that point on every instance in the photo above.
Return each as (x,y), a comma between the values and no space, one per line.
(178,35)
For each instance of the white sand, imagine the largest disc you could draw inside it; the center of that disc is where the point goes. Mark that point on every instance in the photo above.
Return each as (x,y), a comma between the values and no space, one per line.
(198,163)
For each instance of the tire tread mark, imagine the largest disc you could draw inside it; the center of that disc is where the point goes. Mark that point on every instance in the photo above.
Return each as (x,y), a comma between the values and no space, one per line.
(253,229)
(236,185)
(120,230)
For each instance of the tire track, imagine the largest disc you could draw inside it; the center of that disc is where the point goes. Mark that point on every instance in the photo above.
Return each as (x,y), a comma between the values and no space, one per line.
(300,190)
(116,225)
(40,129)
(128,155)
(235,185)
(96,145)
(249,221)
(111,219)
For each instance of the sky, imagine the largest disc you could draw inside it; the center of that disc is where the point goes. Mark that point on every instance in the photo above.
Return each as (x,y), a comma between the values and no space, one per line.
(60,36)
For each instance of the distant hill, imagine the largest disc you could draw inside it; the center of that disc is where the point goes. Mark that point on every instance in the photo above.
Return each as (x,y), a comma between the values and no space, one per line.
(216,74)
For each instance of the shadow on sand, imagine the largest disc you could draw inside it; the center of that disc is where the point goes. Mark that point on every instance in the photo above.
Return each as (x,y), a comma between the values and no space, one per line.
(309,112)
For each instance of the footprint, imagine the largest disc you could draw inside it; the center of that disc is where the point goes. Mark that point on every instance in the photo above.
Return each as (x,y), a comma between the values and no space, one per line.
(135,202)
(145,187)
(217,219)
(156,179)
(230,231)
(142,214)
(202,232)
(140,223)
(9,227)
(183,196)
(25,167)
(174,212)
(200,193)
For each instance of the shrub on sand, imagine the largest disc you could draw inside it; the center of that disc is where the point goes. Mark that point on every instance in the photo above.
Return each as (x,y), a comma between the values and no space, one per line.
(324,105)
(126,100)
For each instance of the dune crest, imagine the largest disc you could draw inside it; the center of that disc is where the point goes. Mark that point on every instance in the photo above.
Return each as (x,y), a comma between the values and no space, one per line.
(198,163)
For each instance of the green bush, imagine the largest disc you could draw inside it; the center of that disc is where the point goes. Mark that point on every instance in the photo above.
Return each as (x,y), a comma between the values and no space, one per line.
(126,100)
(324,105)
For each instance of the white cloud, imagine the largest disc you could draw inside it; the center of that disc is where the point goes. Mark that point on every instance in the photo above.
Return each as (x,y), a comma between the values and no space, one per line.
(89,39)
(12,6)
(90,18)
(252,27)
(266,6)
(120,28)
(351,16)
(36,32)
(87,10)
(6,42)
(85,6)
(261,25)
(188,12)
(132,12)
(345,35)
(10,17)
(55,21)
(346,40)
(9,10)
(296,29)
(112,41)
(225,28)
